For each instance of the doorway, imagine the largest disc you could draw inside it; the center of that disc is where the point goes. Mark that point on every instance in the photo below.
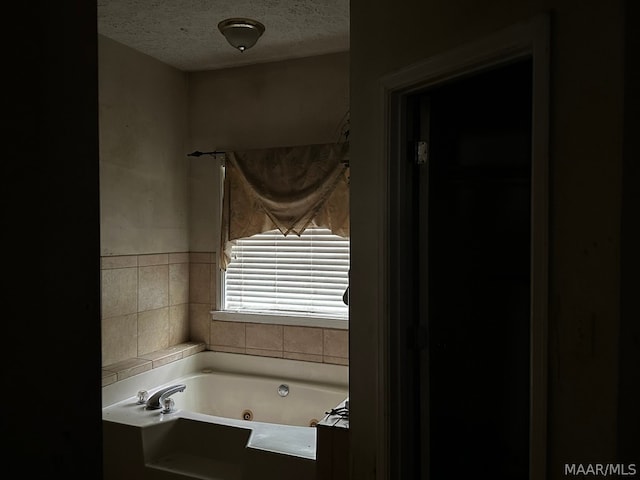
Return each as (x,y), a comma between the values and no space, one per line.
(474,243)
(467,158)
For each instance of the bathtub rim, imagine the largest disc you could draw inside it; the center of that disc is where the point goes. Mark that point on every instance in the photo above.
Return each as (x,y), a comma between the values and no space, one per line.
(223,362)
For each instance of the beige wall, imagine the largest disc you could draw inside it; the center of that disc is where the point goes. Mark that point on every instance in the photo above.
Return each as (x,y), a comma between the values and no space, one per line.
(160,208)
(143,204)
(585,200)
(293,102)
(143,162)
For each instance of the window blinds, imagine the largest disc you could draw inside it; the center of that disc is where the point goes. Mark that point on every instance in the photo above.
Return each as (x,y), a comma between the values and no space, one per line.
(305,275)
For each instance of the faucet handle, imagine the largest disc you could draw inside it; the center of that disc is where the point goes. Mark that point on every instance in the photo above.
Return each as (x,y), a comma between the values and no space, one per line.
(169,405)
(143,396)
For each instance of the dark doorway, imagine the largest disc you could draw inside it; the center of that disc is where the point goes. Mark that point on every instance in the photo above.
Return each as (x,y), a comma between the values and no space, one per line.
(474,278)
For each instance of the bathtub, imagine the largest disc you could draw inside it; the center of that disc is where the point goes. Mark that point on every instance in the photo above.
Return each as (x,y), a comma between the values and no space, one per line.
(259,399)
(239,417)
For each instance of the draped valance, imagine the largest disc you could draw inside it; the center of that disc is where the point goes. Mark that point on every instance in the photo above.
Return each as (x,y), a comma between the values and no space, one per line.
(284,188)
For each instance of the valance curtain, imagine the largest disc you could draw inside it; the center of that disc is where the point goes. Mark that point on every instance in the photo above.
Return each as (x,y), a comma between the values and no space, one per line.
(285,188)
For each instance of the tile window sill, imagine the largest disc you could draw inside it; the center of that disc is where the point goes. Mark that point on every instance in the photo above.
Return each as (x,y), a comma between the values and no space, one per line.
(289,320)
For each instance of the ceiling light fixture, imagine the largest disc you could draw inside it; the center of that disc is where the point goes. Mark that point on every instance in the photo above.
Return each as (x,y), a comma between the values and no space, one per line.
(241,33)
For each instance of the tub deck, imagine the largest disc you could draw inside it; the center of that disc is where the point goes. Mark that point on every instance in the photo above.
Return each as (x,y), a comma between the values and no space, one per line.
(190,444)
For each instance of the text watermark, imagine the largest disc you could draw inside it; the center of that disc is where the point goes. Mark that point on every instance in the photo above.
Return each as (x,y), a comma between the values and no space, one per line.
(601,469)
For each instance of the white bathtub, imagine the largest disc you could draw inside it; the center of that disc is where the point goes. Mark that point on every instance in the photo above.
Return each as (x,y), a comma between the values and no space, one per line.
(260,399)
(208,433)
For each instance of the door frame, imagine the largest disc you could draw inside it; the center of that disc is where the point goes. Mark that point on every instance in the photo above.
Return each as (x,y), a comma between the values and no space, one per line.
(529,39)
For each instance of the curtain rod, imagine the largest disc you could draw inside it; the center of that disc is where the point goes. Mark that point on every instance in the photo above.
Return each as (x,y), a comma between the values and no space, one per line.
(199,154)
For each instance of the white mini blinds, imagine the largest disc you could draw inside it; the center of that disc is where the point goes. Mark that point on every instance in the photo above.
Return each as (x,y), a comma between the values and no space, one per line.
(294,275)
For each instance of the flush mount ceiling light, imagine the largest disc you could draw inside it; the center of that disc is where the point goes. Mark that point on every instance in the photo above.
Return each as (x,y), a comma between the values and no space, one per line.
(241,33)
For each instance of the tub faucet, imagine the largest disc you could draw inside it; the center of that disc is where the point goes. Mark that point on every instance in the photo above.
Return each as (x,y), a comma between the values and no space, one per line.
(156,400)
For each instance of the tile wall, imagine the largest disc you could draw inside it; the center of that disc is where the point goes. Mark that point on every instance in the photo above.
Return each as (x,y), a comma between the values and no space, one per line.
(145,304)
(202,294)
(156,309)
(312,344)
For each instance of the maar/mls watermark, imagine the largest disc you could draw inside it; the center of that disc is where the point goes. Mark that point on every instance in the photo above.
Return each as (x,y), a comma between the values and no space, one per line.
(601,469)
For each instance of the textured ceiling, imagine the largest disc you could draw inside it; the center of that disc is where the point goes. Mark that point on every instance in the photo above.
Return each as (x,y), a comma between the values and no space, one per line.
(184,33)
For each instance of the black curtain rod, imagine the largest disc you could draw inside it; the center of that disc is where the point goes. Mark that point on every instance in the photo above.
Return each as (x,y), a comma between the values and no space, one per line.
(199,154)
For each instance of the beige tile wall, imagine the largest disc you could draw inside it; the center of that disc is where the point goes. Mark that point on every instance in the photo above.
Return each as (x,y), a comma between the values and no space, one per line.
(312,344)
(145,304)
(202,294)
(151,303)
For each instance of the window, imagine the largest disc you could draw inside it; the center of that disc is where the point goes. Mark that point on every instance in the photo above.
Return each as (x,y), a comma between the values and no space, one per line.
(304,275)
(269,277)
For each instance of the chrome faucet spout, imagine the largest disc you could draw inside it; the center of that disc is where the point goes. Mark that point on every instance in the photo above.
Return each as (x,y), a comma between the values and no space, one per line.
(156,401)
